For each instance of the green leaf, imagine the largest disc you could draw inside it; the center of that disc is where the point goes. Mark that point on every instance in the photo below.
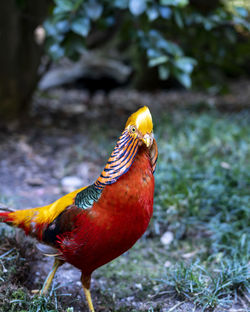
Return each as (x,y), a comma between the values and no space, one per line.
(182,3)
(170,47)
(59,15)
(186,64)
(81,26)
(77,4)
(158,60)
(152,53)
(121,4)
(137,7)
(93,10)
(163,72)
(62,26)
(65,5)
(152,13)
(50,28)
(178,18)
(184,79)
(168,2)
(165,12)
(179,3)
(56,51)
(242,11)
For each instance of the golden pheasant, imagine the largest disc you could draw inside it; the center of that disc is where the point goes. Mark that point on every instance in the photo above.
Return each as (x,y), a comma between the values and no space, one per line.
(95,224)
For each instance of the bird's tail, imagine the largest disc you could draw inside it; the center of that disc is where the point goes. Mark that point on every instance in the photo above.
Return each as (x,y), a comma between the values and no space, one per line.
(4,212)
(18,218)
(3,216)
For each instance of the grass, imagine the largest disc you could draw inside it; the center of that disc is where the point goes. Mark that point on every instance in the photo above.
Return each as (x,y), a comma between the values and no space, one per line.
(202,197)
(14,270)
(205,288)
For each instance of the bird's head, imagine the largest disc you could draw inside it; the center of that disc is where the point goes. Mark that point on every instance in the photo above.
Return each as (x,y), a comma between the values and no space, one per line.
(140,126)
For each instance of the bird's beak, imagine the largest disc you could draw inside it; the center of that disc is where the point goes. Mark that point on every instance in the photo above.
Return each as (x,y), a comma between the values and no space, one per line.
(148,139)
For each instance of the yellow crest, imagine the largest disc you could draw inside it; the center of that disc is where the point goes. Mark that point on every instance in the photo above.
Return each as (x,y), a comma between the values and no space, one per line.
(142,119)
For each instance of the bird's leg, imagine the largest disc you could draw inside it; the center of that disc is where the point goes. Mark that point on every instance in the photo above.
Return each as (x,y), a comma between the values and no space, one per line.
(50,277)
(86,285)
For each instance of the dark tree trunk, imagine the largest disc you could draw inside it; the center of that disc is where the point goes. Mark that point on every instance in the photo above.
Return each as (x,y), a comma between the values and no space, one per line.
(19,54)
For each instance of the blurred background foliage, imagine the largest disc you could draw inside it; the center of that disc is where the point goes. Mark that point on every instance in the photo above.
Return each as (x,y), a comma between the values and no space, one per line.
(172,36)
(167,43)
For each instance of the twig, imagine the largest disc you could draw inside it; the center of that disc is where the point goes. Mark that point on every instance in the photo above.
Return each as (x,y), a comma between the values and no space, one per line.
(4,268)
(6,253)
(161,294)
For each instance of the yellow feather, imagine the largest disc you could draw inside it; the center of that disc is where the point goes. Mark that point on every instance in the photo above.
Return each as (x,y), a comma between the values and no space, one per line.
(45,214)
(142,119)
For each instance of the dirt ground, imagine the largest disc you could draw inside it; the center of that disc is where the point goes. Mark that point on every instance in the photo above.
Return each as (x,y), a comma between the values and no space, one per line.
(64,145)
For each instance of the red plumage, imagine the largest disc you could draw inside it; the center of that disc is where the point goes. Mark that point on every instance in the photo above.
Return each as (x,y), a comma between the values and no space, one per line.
(114,223)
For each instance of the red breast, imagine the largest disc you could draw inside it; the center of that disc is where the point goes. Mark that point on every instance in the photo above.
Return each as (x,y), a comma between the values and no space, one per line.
(117,221)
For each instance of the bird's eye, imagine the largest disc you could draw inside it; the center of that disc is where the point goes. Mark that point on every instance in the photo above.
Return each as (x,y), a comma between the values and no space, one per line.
(133,129)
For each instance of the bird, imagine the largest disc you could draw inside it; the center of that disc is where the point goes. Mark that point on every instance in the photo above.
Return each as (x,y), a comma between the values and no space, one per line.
(95,224)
